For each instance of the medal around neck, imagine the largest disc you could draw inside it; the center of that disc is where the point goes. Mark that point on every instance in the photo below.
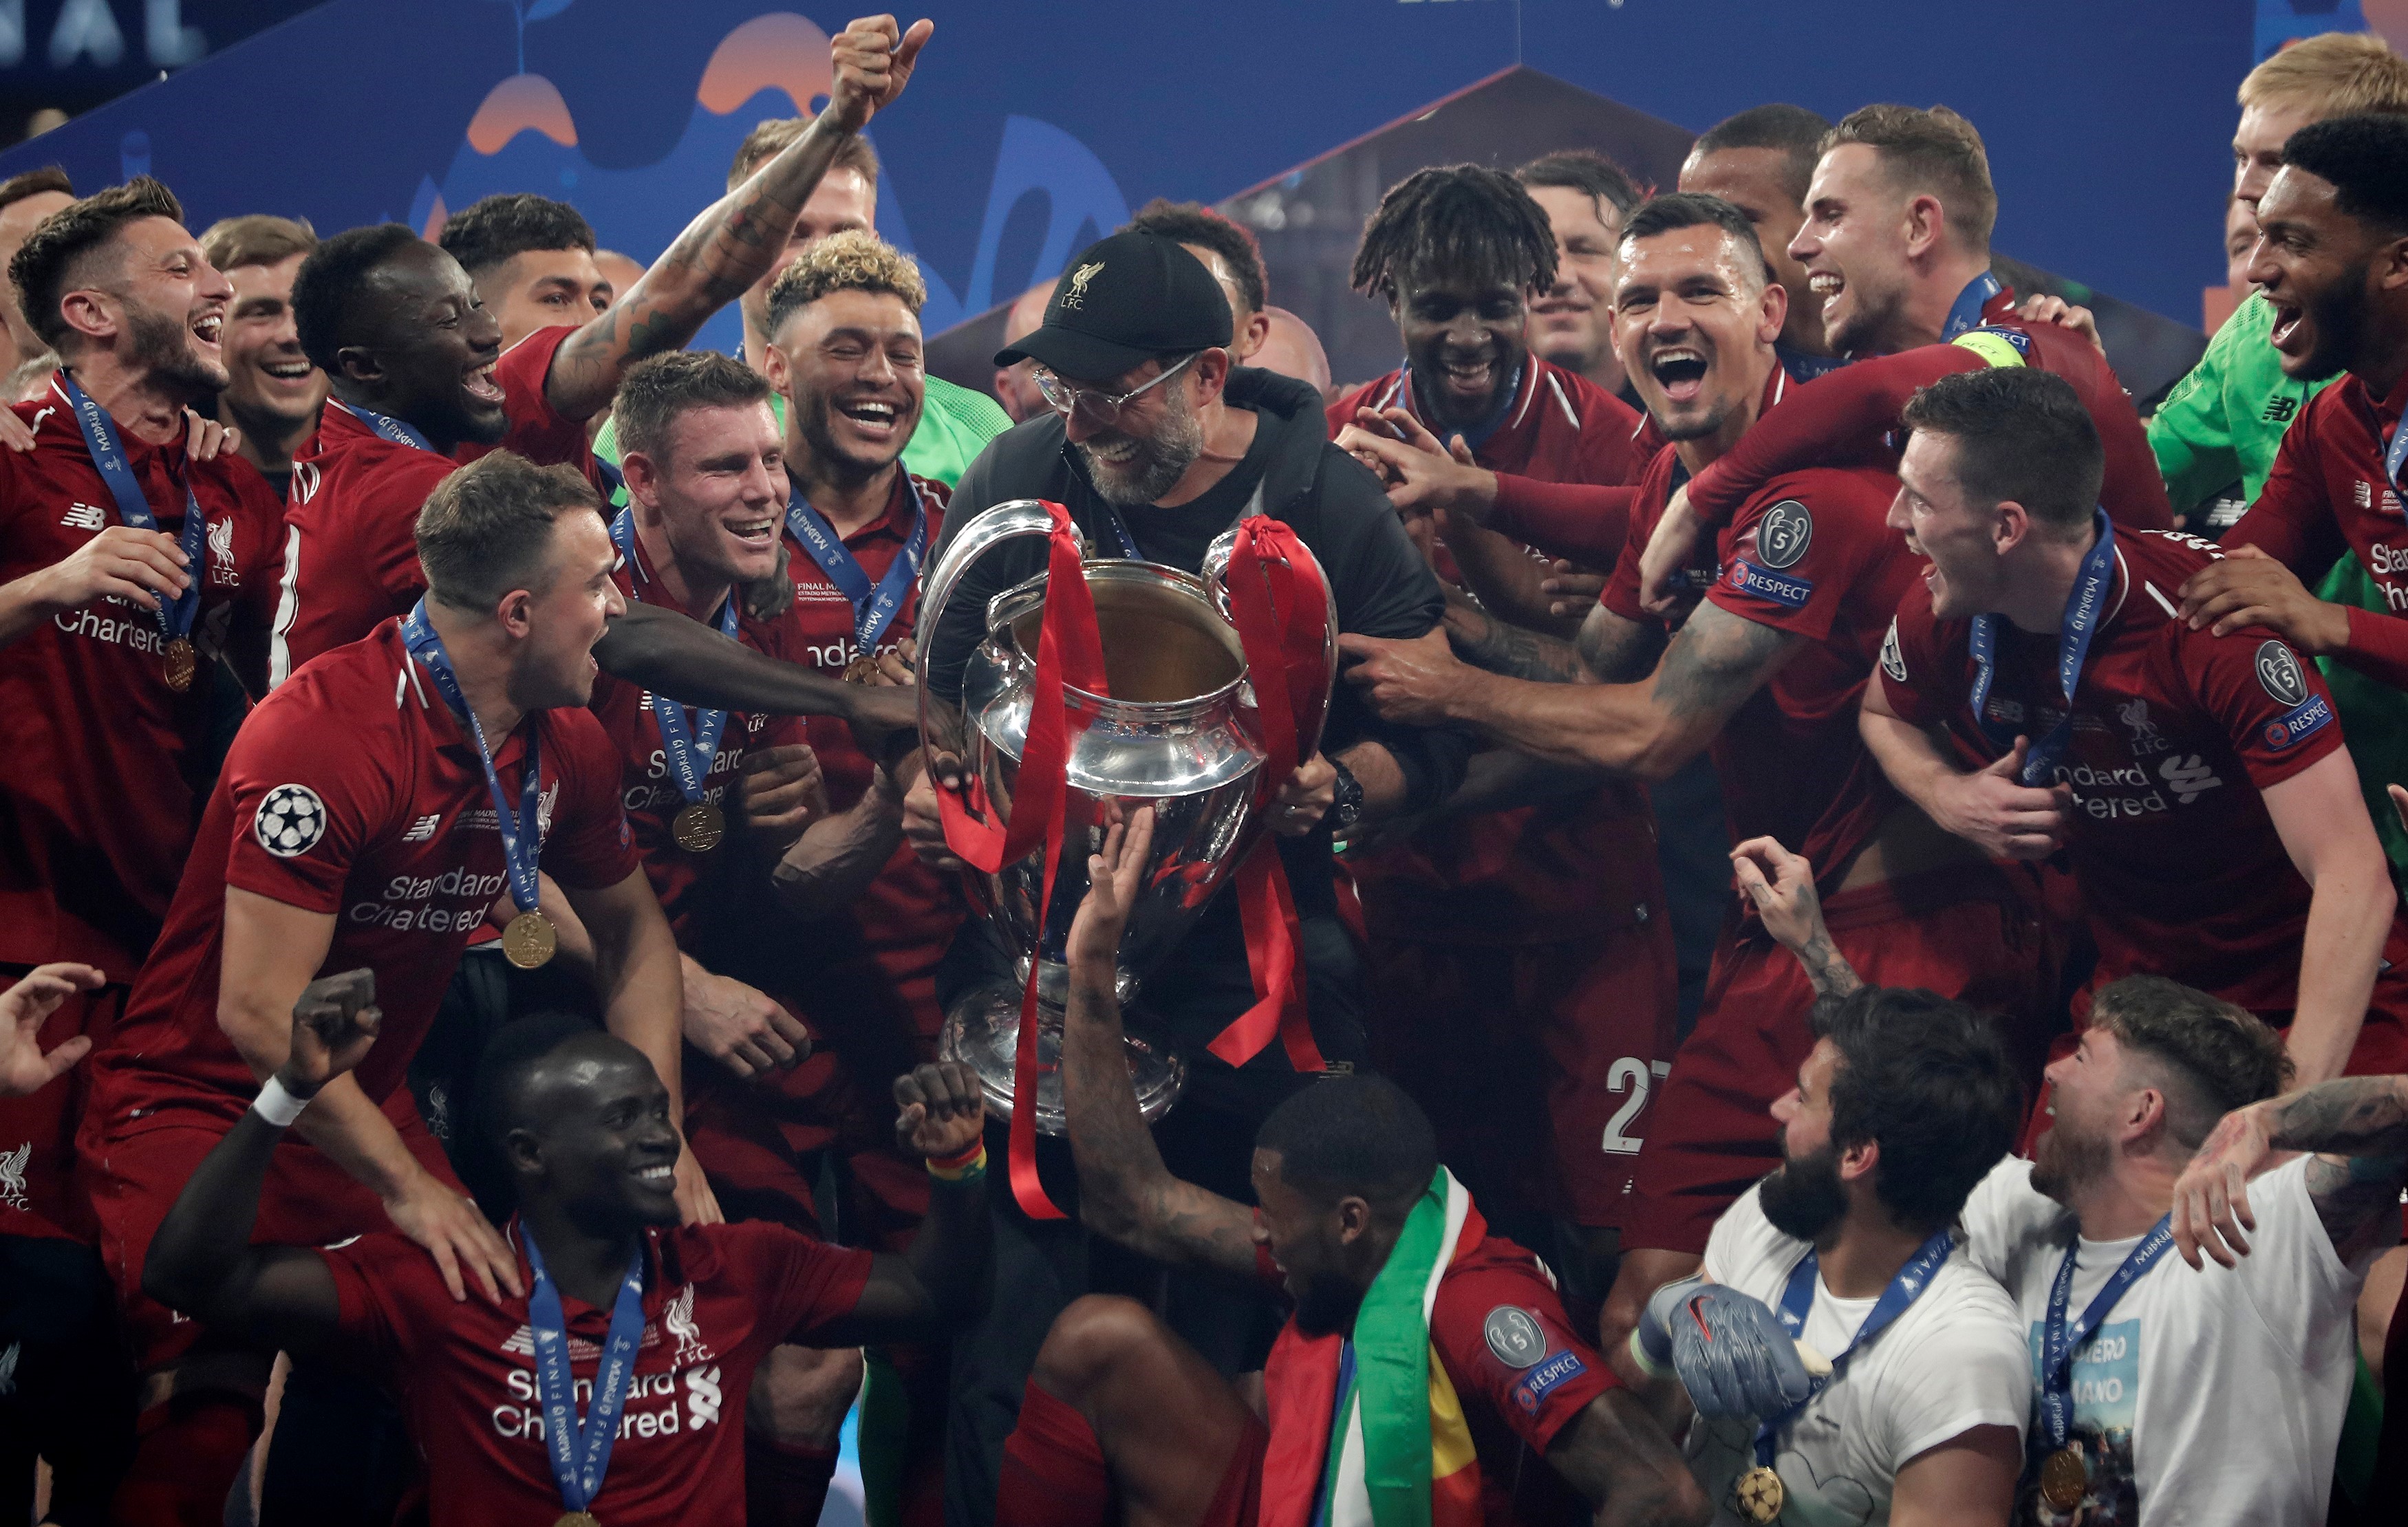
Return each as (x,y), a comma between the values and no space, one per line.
(530,938)
(699,828)
(578,1518)
(2064,1479)
(180,664)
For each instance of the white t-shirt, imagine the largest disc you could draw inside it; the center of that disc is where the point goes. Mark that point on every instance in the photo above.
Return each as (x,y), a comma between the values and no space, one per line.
(1952,1361)
(2204,1397)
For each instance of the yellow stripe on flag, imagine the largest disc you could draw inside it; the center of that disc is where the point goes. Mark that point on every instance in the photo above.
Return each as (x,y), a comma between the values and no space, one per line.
(1455,1465)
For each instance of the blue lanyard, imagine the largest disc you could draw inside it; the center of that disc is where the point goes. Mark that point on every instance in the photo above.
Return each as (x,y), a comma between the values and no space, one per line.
(690,753)
(399,432)
(1478,434)
(873,609)
(2082,614)
(109,456)
(1804,367)
(581,1455)
(1967,313)
(2059,1341)
(1799,1298)
(419,635)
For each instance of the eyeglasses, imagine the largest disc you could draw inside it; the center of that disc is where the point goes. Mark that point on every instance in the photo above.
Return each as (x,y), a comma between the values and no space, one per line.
(1099,409)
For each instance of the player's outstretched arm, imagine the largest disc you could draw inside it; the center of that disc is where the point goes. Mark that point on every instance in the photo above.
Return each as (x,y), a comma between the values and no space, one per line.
(201,1261)
(1625,1467)
(670,654)
(1645,731)
(733,243)
(2320,816)
(942,1280)
(1126,1192)
(2358,1125)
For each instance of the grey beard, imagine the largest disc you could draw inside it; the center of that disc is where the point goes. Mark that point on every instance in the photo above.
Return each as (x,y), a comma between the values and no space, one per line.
(1162,459)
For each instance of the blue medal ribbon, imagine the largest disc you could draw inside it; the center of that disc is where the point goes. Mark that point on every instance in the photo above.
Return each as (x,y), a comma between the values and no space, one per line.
(2083,612)
(873,609)
(109,456)
(690,753)
(521,849)
(1967,313)
(400,432)
(580,1454)
(2059,1341)
(1799,1298)
(1804,367)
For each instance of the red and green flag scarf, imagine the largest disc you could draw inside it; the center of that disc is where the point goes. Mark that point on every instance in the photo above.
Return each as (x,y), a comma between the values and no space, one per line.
(1369,1432)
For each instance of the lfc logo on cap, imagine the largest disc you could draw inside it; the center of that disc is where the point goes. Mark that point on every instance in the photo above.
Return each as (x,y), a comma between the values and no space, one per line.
(1076,294)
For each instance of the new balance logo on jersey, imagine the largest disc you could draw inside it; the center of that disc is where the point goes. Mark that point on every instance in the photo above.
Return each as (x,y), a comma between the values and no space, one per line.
(84,516)
(2363,494)
(2188,775)
(2279,410)
(422,829)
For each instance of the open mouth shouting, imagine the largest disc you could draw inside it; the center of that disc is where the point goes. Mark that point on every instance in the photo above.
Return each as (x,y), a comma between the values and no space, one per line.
(1681,371)
(2289,323)
(480,384)
(1827,285)
(872,420)
(207,325)
(1473,381)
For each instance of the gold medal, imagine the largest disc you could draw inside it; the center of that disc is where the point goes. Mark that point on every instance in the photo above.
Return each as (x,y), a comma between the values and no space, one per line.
(2064,1479)
(699,828)
(528,943)
(181,664)
(578,1518)
(862,670)
(1759,1493)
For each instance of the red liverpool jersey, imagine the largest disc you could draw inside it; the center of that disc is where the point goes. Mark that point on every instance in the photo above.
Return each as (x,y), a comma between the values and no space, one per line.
(353,791)
(97,804)
(350,551)
(2175,733)
(716,1299)
(2332,493)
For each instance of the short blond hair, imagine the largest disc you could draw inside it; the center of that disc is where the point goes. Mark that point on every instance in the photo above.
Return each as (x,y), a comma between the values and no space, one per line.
(2335,73)
(775,134)
(852,261)
(1935,152)
(256,238)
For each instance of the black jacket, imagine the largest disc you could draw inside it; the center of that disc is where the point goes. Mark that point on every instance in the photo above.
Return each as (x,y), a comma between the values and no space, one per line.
(1382,586)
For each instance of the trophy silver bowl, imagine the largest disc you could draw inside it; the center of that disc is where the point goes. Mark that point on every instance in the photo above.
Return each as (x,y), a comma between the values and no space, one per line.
(1179,732)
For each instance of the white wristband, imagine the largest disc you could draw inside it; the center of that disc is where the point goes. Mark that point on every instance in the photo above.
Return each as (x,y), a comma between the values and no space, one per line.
(277,1106)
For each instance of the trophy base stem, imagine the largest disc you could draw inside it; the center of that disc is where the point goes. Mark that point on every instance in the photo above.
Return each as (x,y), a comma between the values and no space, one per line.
(983,1030)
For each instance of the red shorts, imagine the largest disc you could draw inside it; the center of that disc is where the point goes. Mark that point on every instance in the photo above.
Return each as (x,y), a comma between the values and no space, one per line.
(37,1193)
(759,1141)
(1971,932)
(1238,1501)
(1531,1053)
(135,1174)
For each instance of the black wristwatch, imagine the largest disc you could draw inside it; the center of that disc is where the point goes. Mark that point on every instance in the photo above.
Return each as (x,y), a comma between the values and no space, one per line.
(1346,810)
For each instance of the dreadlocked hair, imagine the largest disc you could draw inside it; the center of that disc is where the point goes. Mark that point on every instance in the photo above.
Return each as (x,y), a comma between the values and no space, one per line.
(1460,218)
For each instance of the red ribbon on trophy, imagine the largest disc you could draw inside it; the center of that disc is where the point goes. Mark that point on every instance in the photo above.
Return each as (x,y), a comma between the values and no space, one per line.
(1281,609)
(1069,655)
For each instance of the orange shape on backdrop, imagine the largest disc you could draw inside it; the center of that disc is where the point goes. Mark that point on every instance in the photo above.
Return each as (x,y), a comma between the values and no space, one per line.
(780,49)
(522,102)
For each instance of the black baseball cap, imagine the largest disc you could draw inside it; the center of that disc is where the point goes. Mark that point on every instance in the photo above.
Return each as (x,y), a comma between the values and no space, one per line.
(1125,299)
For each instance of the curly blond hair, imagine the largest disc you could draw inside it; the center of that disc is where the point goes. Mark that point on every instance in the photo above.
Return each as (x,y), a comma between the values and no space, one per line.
(847,261)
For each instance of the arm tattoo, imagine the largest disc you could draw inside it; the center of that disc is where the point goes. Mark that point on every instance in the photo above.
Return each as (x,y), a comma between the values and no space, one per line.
(1827,968)
(1617,650)
(1717,661)
(1500,646)
(2363,1119)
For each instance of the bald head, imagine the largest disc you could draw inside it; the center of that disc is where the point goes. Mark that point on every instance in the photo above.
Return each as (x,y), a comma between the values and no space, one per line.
(1014,387)
(1293,350)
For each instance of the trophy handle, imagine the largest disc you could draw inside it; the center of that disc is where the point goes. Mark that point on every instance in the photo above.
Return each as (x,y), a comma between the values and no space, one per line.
(1008,521)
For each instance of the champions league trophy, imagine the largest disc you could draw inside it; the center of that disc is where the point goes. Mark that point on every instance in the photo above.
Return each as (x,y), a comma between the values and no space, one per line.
(1181,731)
